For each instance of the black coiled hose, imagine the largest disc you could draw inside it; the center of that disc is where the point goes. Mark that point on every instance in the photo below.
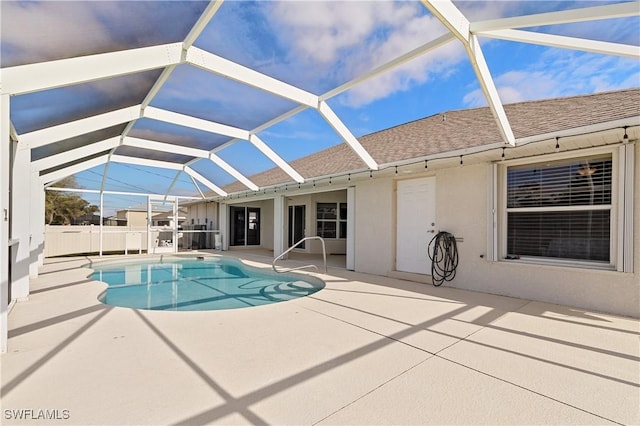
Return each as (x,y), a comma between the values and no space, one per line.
(443,253)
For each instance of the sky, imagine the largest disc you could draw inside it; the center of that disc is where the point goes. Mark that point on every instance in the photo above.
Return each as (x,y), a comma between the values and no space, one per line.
(315,46)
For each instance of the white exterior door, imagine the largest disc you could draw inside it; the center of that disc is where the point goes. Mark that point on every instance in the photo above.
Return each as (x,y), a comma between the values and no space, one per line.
(416,217)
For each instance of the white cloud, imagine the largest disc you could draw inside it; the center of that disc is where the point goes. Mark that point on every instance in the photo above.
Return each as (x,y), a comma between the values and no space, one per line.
(197,92)
(39,31)
(36,31)
(340,40)
(43,31)
(476,10)
(437,65)
(320,31)
(561,73)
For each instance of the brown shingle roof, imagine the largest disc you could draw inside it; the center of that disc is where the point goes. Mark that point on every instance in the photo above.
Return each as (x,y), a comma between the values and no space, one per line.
(455,130)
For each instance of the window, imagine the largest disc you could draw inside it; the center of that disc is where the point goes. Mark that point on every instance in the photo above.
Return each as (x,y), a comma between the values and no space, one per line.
(244,226)
(560,209)
(564,209)
(331,220)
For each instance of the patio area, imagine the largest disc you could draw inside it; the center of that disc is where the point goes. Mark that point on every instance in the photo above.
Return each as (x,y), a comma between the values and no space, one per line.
(364,350)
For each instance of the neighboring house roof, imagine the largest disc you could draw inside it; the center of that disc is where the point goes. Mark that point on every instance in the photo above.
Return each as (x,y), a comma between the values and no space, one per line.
(132,209)
(461,129)
(169,215)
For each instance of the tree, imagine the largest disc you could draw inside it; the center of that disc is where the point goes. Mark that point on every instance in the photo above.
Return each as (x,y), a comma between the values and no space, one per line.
(62,207)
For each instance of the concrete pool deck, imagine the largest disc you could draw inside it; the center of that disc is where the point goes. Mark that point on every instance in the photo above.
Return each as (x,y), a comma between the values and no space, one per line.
(364,350)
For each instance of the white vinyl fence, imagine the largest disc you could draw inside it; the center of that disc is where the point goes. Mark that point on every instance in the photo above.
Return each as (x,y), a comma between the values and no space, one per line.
(63,240)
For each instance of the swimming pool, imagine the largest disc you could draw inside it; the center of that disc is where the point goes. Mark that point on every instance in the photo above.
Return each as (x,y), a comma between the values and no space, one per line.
(176,284)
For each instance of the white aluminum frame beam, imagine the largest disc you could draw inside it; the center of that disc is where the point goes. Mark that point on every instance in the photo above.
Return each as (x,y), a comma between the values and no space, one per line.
(12,130)
(274,121)
(137,161)
(564,42)
(394,63)
(5,216)
(136,194)
(226,68)
(71,129)
(194,123)
(264,148)
(206,182)
(447,13)
(130,114)
(173,183)
(595,13)
(29,78)
(215,64)
(42,76)
(75,154)
(194,152)
(76,168)
(489,88)
(105,172)
(233,172)
(83,126)
(202,22)
(451,17)
(195,184)
(194,33)
(434,44)
(196,30)
(164,147)
(332,119)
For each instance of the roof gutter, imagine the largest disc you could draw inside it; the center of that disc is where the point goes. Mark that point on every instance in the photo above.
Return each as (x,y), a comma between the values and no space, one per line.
(573,132)
(583,130)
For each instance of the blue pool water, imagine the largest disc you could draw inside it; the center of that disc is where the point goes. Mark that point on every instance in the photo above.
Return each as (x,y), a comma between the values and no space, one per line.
(197,285)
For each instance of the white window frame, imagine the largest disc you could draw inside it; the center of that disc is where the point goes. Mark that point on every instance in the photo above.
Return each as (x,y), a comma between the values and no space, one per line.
(621,222)
(338,220)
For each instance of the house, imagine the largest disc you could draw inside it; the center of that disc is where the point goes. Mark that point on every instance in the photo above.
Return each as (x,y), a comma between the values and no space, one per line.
(554,218)
(132,217)
(86,219)
(166,218)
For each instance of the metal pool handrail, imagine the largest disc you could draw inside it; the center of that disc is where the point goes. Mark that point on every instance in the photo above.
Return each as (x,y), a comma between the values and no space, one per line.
(324,256)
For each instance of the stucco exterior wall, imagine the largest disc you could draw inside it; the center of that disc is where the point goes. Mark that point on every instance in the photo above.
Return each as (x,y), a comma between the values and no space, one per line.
(461,208)
(375,226)
(465,215)
(266,221)
(266,227)
(333,246)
